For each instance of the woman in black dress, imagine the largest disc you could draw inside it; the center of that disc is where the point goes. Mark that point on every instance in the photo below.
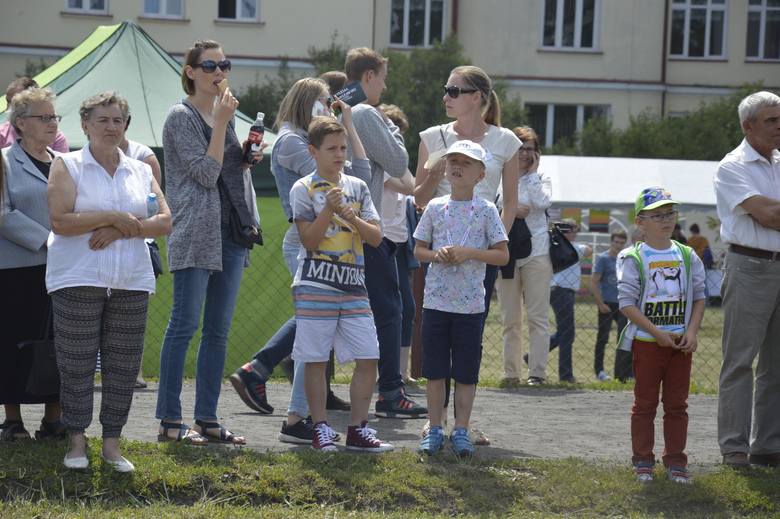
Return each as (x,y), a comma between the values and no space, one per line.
(24,230)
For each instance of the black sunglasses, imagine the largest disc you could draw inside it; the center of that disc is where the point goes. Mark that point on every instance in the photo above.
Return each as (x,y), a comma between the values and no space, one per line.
(455,91)
(209,65)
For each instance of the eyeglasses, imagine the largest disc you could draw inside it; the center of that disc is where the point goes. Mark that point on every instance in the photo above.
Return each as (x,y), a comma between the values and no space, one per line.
(209,66)
(45,119)
(663,217)
(455,91)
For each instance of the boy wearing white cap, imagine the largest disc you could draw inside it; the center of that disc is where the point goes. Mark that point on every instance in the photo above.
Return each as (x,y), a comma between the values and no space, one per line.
(458,235)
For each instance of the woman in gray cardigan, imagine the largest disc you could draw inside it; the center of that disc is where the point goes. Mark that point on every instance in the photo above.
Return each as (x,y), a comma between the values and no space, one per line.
(24,229)
(201,148)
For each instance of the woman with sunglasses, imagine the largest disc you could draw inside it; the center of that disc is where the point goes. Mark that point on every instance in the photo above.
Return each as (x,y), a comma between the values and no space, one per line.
(24,229)
(469,98)
(205,181)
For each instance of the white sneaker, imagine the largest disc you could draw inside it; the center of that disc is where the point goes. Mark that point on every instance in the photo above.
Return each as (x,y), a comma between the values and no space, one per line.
(602,376)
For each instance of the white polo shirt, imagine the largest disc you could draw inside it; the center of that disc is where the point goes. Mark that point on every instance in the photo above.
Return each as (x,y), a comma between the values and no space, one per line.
(742,174)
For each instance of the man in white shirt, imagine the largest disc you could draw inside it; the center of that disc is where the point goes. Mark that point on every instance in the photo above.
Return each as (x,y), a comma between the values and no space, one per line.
(747,186)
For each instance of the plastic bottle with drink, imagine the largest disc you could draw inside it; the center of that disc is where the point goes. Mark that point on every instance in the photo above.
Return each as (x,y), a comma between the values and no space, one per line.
(255,138)
(152,205)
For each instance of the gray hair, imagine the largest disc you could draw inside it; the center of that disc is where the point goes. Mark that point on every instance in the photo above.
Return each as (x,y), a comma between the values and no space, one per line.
(107,98)
(750,106)
(21,104)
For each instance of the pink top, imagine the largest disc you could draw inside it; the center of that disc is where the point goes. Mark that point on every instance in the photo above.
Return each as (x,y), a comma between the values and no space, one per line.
(8,136)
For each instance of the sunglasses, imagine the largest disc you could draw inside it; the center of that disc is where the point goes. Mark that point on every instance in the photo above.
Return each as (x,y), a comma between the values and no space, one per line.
(45,119)
(209,66)
(454,91)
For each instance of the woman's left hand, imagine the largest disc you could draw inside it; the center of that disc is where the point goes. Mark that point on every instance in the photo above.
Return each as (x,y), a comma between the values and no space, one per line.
(257,156)
(104,237)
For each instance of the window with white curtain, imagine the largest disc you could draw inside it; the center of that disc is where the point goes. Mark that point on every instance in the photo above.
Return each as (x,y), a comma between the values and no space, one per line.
(164,8)
(87,6)
(241,10)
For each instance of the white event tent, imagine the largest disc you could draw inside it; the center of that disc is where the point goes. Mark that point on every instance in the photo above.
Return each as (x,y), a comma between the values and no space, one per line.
(612,182)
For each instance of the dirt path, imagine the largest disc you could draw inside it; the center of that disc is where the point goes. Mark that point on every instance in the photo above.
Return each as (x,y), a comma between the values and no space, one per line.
(547,423)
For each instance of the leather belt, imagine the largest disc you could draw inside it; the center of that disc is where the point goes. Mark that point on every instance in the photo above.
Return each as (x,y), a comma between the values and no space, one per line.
(755,253)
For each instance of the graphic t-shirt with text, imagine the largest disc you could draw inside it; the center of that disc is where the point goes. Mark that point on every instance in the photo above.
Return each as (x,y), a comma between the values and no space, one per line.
(338,261)
(665,286)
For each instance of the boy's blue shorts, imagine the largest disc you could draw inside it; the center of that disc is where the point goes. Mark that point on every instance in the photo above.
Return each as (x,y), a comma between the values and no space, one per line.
(452,345)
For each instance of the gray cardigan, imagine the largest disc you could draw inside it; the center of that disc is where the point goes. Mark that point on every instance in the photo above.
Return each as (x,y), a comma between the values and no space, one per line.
(24,211)
(191,189)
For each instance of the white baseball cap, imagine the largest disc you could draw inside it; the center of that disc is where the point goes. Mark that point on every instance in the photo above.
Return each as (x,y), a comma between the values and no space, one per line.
(468,148)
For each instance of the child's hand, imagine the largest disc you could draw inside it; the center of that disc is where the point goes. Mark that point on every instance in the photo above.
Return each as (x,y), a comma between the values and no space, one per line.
(688,343)
(347,213)
(665,340)
(333,199)
(442,255)
(458,255)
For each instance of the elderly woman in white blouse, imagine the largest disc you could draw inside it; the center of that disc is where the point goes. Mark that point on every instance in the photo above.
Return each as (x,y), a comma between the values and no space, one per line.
(99,274)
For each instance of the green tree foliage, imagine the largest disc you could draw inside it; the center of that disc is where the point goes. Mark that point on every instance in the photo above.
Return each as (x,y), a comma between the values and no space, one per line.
(266,96)
(707,133)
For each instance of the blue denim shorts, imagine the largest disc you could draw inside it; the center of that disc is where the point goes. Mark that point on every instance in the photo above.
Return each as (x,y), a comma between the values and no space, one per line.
(452,345)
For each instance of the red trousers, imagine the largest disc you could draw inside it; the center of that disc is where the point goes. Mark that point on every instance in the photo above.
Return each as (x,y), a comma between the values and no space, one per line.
(665,370)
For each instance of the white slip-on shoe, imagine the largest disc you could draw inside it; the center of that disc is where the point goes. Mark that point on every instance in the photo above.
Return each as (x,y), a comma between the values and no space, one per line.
(78,463)
(120,465)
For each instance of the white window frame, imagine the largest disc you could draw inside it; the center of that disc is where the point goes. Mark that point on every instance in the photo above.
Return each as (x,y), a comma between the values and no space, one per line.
(580,124)
(238,17)
(763,9)
(85,9)
(577,47)
(709,7)
(163,9)
(427,22)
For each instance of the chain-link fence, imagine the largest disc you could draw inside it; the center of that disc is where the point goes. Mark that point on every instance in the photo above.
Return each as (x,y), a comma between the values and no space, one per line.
(265,303)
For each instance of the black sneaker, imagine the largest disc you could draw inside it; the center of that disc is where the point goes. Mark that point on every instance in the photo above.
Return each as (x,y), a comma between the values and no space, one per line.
(251,388)
(335,403)
(535,381)
(401,407)
(301,432)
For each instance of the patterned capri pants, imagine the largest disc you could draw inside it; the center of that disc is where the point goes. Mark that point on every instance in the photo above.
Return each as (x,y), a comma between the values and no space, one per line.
(113,322)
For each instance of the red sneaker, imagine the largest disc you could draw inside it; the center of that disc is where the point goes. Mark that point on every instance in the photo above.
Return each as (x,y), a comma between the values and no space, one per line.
(363,438)
(323,441)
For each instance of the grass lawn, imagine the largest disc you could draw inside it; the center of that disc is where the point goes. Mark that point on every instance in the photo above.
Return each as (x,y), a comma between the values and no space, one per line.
(265,303)
(180,481)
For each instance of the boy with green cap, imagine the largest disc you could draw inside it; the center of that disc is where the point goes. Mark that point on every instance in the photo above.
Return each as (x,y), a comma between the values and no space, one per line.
(661,292)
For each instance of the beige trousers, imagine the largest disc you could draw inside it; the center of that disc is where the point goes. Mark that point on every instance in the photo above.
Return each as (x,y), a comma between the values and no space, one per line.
(530,286)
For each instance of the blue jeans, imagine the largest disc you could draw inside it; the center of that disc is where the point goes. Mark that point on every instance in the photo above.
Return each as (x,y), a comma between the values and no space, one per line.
(214,293)
(562,303)
(385,298)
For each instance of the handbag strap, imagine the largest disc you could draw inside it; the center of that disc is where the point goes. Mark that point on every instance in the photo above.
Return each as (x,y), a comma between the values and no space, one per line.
(443,139)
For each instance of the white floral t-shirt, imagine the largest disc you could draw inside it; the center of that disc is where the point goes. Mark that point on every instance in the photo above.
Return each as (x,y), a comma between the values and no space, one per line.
(468,223)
